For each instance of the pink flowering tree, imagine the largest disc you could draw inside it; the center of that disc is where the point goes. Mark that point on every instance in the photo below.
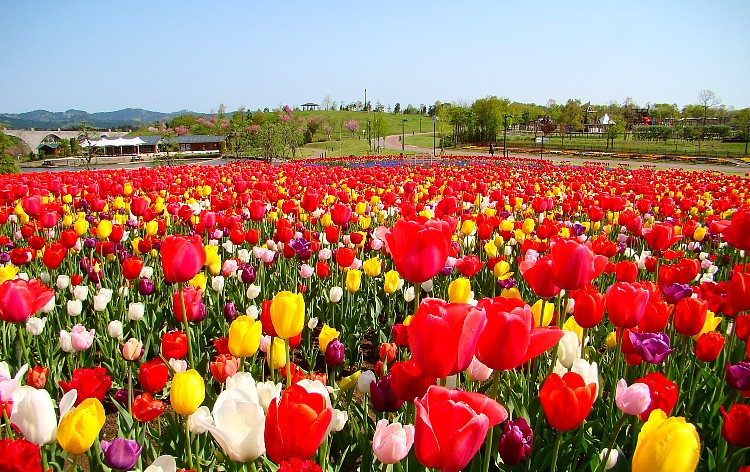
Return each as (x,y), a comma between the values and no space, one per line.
(352,126)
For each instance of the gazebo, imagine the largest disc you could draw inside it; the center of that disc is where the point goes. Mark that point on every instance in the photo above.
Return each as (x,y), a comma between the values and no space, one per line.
(310,106)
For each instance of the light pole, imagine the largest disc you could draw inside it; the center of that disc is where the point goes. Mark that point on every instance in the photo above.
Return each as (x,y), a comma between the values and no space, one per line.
(403,121)
(434,124)
(505,129)
(420,125)
(369,143)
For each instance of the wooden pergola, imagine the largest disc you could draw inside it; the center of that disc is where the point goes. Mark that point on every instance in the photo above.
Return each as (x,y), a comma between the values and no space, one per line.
(310,106)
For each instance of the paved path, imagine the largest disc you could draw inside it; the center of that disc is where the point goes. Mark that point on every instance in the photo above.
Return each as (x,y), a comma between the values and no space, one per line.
(393,142)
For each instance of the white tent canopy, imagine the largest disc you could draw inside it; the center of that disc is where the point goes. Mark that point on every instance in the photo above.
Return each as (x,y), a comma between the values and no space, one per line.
(113,142)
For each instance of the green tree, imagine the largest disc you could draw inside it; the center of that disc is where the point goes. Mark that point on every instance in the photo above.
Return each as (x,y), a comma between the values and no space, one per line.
(568,116)
(488,114)
(269,140)
(397,108)
(379,128)
(614,129)
(88,153)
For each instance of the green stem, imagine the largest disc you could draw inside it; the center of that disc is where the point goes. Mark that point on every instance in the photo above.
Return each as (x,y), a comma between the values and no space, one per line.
(187,440)
(557,450)
(288,367)
(130,390)
(25,350)
(253,468)
(187,329)
(45,464)
(8,430)
(489,451)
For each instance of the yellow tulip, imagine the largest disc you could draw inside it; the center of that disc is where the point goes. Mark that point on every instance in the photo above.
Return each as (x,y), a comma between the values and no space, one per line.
(392,282)
(666,444)
(187,393)
(327,334)
(468,227)
(67,220)
(549,311)
(199,281)
(277,351)
(353,280)
(325,220)
(213,259)
(502,270)
(506,225)
(364,222)
(7,272)
(79,428)
(712,321)
(104,229)
(511,293)
(360,208)
(244,336)
(134,242)
(372,267)
(152,227)
(700,233)
(611,340)
(459,291)
(490,249)
(571,325)
(81,227)
(528,226)
(348,383)
(288,314)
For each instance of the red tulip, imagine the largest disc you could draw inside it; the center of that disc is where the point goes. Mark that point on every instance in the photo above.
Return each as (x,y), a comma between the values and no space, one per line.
(138,206)
(443,336)
(736,427)
(310,202)
(257,210)
(737,231)
(690,316)
(69,238)
(709,346)
(574,265)
(626,304)
(419,250)
(655,316)
(153,375)
(194,307)
(566,400)
(408,381)
(345,257)
(146,409)
(54,255)
(174,345)
(131,268)
(626,271)
(296,424)
(539,277)
(48,219)
(588,310)
(341,214)
(322,269)
(448,431)
(89,383)
(738,291)
(660,236)
(509,338)
(468,265)
(37,377)
(32,205)
(20,454)
(182,258)
(19,299)
(663,391)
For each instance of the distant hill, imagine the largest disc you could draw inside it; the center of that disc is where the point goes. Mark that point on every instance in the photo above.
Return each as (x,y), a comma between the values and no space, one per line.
(128,117)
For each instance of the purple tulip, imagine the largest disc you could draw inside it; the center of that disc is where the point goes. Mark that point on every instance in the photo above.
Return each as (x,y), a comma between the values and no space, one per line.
(516,441)
(145,286)
(676,292)
(247,273)
(89,243)
(334,353)
(382,396)
(121,396)
(652,347)
(230,311)
(738,375)
(510,282)
(4,257)
(446,271)
(121,453)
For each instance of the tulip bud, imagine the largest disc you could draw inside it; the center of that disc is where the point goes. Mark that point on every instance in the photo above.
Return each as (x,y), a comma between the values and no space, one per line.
(253,291)
(334,353)
(230,311)
(136,311)
(62,282)
(217,283)
(392,442)
(610,456)
(132,350)
(114,329)
(364,380)
(35,326)
(66,343)
(81,292)
(267,392)
(198,421)
(516,442)
(335,294)
(145,286)
(121,453)
(187,393)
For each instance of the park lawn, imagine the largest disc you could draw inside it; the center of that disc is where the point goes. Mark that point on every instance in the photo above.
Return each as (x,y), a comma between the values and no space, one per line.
(337,117)
(350,147)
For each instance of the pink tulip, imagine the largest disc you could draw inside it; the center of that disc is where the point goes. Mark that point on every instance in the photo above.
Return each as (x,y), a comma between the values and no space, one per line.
(80,338)
(632,400)
(574,265)
(392,442)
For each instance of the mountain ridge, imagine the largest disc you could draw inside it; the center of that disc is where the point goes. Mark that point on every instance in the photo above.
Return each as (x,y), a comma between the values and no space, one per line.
(72,118)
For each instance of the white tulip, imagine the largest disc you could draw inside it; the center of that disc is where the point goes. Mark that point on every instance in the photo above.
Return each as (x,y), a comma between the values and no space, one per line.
(197,421)
(267,391)
(49,306)
(74,307)
(217,283)
(589,372)
(66,342)
(335,294)
(312,323)
(34,414)
(427,286)
(612,460)
(106,293)
(252,312)
(81,292)
(178,365)
(123,292)
(364,380)
(9,384)
(35,326)
(339,420)
(162,464)
(243,255)
(409,294)
(253,291)
(136,311)
(62,282)
(569,349)
(147,272)
(100,303)
(44,278)
(114,329)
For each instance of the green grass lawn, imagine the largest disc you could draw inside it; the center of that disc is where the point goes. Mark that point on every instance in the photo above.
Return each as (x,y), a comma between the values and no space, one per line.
(336,118)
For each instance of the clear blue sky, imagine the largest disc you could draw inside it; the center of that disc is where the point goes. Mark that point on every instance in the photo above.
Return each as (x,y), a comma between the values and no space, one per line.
(173,55)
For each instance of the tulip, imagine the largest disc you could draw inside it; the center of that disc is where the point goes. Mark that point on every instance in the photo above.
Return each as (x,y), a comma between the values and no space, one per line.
(660,236)
(444,336)
(334,353)
(182,258)
(655,316)
(509,339)
(244,336)
(451,426)
(37,376)
(238,424)
(20,454)
(737,232)
(194,308)
(80,338)
(267,392)
(516,442)
(408,381)
(353,280)
(589,307)
(174,345)
(459,291)
(392,442)
(288,314)
(632,400)
(538,275)
(652,347)
(690,316)
(88,383)
(372,267)
(738,291)
(35,326)
(477,372)
(364,380)
(662,391)
(187,393)
(626,304)
(146,409)
(224,366)
(19,299)
(162,464)
(296,424)
(419,250)
(709,346)
(80,427)
(34,415)
(327,334)
(736,427)
(666,444)
(392,282)
(738,375)
(121,453)
(566,400)
(132,350)
(277,359)
(574,265)
(9,385)
(153,375)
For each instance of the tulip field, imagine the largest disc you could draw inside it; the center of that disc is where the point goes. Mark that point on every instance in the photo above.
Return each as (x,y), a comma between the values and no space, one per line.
(345,315)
